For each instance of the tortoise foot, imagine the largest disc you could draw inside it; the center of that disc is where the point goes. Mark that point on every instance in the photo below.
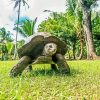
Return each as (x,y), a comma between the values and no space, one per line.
(20,66)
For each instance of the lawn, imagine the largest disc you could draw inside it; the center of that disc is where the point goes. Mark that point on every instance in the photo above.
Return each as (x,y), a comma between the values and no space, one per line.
(43,84)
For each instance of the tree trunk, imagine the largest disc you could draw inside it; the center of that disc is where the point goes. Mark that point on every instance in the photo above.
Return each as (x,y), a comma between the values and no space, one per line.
(81,50)
(87,27)
(15,52)
(74,48)
(81,39)
(69,57)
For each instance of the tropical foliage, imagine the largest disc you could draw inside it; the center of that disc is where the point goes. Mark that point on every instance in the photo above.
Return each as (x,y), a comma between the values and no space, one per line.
(26,27)
(5,39)
(70,27)
(78,27)
(18,5)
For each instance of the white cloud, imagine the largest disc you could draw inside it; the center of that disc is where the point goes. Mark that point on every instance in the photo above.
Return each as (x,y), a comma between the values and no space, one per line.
(6,11)
(8,15)
(36,9)
(38,6)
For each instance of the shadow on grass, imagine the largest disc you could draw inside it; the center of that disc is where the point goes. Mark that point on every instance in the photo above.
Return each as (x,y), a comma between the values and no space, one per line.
(48,72)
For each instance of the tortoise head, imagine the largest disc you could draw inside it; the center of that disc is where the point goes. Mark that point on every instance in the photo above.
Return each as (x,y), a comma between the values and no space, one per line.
(49,49)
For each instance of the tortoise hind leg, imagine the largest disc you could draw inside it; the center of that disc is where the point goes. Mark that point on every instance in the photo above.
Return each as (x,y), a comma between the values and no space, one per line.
(54,67)
(20,66)
(62,64)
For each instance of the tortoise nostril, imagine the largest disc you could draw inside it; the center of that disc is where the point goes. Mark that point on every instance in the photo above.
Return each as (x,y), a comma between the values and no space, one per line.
(50,46)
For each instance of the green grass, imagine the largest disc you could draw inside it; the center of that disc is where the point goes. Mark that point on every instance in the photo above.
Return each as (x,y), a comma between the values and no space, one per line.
(43,84)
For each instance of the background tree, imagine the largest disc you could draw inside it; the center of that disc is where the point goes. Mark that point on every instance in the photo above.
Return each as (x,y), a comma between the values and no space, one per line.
(96,31)
(18,5)
(69,26)
(62,26)
(26,27)
(5,37)
(87,27)
(73,9)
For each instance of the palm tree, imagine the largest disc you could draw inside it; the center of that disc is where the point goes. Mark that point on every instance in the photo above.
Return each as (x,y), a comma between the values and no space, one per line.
(5,37)
(87,27)
(26,27)
(18,4)
(73,9)
(61,26)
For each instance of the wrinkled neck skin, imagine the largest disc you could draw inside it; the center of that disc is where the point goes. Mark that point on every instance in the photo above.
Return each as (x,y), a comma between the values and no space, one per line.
(49,49)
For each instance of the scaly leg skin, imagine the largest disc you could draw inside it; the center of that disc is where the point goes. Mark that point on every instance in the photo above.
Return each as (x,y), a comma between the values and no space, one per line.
(62,64)
(20,66)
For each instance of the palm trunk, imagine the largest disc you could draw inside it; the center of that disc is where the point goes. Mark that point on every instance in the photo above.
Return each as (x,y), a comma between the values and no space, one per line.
(33,25)
(87,27)
(15,52)
(2,57)
(81,39)
(69,57)
(81,49)
(74,48)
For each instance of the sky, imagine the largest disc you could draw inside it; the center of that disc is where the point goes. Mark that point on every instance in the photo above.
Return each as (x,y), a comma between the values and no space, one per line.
(8,15)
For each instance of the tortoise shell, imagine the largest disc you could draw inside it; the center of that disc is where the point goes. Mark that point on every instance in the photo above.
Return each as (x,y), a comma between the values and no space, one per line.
(34,45)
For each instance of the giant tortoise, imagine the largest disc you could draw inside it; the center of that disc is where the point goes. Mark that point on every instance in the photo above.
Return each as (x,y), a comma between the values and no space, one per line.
(41,48)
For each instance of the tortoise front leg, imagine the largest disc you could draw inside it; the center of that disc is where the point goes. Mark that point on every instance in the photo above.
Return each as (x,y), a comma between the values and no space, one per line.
(20,66)
(62,64)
